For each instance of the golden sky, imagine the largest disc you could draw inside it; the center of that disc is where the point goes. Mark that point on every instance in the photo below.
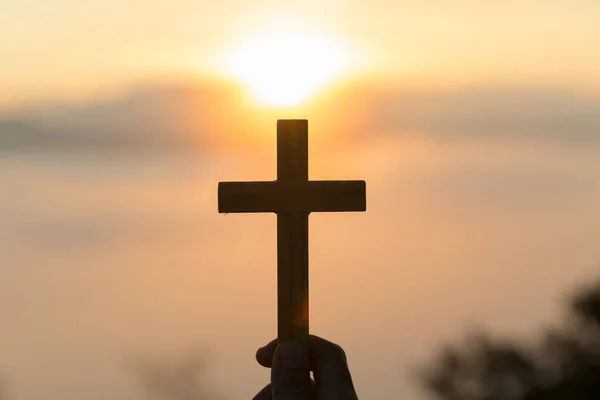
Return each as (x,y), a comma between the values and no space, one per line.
(128,255)
(482,204)
(53,49)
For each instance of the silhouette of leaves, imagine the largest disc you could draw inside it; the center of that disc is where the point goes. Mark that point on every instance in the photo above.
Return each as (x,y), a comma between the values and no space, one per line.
(564,365)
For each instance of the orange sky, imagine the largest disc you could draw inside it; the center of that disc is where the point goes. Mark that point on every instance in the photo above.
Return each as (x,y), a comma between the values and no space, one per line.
(68,48)
(109,256)
(475,125)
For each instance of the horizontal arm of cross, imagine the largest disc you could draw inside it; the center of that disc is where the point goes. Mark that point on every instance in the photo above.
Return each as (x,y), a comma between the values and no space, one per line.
(292,197)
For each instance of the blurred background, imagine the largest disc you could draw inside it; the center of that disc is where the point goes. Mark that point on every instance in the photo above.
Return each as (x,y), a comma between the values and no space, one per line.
(475,124)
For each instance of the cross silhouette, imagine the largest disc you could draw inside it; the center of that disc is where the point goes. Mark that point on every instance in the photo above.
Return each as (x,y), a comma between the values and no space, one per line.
(292,197)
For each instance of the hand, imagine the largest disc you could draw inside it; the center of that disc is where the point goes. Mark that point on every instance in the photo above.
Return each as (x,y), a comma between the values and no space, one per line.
(290,366)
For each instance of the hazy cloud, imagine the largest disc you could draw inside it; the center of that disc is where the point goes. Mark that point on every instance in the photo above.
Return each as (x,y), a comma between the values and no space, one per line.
(180,117)
(147,118)
(514,113)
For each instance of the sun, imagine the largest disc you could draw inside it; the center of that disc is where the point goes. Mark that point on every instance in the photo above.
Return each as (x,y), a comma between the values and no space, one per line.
(284,69)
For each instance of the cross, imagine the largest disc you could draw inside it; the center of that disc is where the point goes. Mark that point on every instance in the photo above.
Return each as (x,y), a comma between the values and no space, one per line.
(292,197)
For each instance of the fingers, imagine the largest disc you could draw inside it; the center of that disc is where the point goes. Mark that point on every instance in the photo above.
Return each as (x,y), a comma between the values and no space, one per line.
(264,355)
(264,394)
(330,366)
(329,363)
(290,373)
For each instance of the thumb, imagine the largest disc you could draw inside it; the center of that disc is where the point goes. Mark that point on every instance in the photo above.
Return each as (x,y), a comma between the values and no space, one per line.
(290,373)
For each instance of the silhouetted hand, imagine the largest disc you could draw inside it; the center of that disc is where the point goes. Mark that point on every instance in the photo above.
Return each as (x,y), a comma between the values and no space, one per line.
(290,366)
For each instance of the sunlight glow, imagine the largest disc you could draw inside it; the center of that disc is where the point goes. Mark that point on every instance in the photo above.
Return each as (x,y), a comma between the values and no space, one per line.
(284,69)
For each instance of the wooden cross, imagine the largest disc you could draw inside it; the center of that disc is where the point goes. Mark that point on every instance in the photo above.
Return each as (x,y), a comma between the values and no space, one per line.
(292,197)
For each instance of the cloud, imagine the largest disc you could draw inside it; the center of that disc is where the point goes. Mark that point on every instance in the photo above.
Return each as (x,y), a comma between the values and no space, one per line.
(486,112)
(182,117)
(147,118)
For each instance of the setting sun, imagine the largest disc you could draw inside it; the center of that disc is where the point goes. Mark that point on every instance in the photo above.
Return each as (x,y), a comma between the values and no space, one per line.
(284,69)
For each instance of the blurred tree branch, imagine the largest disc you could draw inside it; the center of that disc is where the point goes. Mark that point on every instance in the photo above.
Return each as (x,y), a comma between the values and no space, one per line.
(564,365)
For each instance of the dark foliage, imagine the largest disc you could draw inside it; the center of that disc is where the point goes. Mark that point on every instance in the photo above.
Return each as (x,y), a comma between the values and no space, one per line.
(565,365)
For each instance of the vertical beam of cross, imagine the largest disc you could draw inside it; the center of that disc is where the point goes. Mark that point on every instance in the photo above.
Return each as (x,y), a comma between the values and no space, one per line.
(292,236)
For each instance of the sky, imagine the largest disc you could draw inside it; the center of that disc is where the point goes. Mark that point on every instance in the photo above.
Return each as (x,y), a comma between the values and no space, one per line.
(70,48)
(109,258)
(476,126)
